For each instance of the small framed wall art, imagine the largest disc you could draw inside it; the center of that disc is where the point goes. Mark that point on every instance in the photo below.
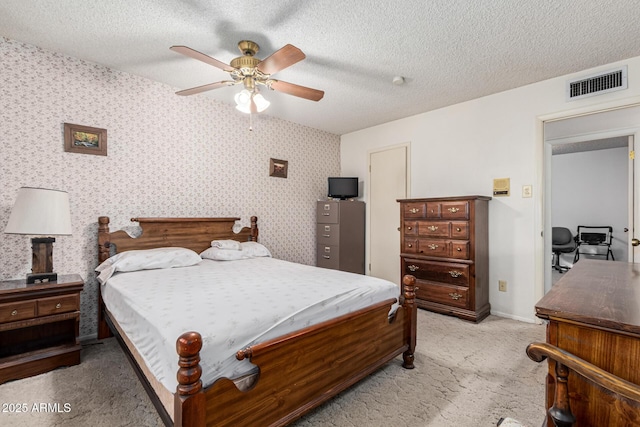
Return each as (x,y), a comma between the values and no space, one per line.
(85,139)
(278,168)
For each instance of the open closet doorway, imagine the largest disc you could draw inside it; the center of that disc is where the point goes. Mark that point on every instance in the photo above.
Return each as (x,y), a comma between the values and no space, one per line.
(589,164)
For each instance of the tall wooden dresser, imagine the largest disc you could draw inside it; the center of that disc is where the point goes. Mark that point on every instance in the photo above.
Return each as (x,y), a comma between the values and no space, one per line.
(445,245)
(340,235)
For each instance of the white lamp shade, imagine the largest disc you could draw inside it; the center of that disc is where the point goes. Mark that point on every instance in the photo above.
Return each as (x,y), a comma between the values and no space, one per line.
(40,211)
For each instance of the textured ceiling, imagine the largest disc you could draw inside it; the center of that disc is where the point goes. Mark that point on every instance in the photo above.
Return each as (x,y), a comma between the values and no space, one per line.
(448,51)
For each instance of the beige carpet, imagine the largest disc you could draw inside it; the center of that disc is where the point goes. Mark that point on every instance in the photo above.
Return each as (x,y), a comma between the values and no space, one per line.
(466,375)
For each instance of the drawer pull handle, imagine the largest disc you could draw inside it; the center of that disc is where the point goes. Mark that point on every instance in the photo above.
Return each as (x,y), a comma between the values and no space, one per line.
(409,245)
(458,229)
(433,247)
(326,235)
(453,210)
(455,296)
(432,228)
(14,312)
(413,267)
(414,210)
(459,249)
(326,257)
(455,273)
(409,228)
(325,214)
(58,305)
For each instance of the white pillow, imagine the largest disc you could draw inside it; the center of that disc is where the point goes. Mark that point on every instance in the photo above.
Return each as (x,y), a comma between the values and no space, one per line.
(226,244)
(254,249)
(223,254)
(147,259)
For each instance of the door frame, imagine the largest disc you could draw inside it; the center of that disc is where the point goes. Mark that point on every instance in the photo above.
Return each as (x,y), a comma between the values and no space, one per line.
(542,203)
(407,146)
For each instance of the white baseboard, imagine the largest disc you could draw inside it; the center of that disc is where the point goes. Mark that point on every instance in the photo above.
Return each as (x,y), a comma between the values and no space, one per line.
(521,319)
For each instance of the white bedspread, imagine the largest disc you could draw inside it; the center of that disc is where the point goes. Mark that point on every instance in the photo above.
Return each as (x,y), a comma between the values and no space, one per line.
(232,304)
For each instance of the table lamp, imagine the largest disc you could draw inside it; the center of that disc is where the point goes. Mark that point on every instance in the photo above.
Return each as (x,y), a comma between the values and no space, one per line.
(43,212)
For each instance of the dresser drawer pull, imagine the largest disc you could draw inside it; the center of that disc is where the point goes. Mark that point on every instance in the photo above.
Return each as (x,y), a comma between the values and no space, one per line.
(458,229)
(432,228)
(459,249)
(433,247)
(14,313)
(409,245)
(453,210)
(455,273)
(325,214)
(414,210)
(455,296)
(409,228)
(413,267)
(58,305)
(326,256)
(326,235)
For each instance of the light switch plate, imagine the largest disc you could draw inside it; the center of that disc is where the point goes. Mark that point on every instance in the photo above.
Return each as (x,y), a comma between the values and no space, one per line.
(527,191)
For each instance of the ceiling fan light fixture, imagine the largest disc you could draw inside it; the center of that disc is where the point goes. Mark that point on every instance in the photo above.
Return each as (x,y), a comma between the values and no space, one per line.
(243,101)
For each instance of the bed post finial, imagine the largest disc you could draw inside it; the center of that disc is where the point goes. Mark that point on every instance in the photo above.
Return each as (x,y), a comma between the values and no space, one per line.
(254,228)
(103,238)
(409,294)
(188,346)
(189,401)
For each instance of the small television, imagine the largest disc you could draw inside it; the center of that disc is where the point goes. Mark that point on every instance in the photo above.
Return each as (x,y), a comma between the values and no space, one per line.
(343,188)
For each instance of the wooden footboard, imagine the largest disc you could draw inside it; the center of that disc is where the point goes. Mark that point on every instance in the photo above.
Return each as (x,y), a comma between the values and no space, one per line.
(299,371)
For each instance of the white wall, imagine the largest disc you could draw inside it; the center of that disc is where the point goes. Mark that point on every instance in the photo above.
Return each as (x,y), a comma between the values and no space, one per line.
(460,149)
(591,188)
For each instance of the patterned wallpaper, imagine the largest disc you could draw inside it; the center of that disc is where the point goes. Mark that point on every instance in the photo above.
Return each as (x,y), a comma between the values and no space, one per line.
(167,156)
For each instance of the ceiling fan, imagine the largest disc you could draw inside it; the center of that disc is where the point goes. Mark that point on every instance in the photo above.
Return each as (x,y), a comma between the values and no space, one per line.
(252,72)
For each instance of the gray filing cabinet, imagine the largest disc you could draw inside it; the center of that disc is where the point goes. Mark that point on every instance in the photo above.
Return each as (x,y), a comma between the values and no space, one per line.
(340,235)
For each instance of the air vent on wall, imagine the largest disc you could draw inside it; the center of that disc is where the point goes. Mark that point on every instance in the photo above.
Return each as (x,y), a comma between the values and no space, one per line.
(597,84)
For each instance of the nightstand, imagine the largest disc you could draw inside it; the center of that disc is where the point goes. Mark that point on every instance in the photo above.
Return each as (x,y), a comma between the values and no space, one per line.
(39,326)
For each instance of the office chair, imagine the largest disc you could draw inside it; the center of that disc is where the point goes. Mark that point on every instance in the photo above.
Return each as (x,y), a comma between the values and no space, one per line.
(562,242)
(592,238)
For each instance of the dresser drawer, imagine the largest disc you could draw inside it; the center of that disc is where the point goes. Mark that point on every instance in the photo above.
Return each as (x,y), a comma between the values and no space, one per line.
(12,311)
(455,210)
(459,230)
(433,228)
(410,228)
(434,210)
(460,249)
(433,271)
(328,256)
(444,294)
(328,234)
(415,210)
(410,246)
(327,213)
(433,247)
(59,304)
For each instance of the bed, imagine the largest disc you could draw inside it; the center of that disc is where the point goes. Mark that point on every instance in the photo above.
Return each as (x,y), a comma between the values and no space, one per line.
(291,373)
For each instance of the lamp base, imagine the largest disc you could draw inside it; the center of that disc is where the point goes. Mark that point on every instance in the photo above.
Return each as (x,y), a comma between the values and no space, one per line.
(42,277)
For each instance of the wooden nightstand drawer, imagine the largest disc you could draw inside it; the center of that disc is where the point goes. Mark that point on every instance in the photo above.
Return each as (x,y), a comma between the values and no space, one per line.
(13,311)
(59,304)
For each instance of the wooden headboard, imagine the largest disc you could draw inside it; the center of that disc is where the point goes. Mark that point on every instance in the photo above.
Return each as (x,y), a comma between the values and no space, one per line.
(192,233)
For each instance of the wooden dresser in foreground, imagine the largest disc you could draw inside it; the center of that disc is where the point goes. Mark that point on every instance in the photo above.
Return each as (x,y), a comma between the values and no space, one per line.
(594,314)
(445,245)
(39,326)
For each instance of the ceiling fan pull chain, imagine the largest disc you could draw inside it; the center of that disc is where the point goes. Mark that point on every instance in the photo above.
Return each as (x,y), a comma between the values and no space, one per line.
(250,122)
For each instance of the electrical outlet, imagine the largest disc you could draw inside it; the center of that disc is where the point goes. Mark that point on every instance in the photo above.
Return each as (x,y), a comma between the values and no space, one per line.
(527,191)
(502,285)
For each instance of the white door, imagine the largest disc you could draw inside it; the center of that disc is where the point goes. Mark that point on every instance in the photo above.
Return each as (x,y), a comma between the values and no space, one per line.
(387,183)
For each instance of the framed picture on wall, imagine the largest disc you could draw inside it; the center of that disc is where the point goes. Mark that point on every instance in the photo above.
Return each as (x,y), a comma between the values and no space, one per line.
(278,168)
(85,139)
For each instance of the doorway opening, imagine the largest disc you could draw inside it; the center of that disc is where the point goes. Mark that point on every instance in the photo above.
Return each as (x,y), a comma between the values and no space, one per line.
(577,152)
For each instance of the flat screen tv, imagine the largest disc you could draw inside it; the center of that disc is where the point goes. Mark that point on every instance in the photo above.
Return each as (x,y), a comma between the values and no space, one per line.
(343,188)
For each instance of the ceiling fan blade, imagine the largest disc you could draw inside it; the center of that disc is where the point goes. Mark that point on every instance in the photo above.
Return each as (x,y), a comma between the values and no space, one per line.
(297,90)
(202,57)
(205,88)
(281,59)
